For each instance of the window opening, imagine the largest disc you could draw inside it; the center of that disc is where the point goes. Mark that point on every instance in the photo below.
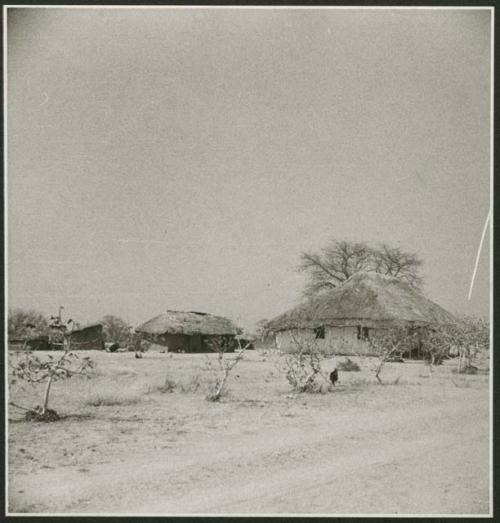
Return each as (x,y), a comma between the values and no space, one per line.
(319,333)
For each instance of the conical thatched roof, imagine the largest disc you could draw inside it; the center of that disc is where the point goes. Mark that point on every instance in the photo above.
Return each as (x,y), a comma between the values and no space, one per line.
(189,323)
(366,298)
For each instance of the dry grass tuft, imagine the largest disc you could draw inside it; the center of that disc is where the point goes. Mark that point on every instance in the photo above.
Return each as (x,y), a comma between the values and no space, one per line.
(349,366)
(111,398)
(170,385)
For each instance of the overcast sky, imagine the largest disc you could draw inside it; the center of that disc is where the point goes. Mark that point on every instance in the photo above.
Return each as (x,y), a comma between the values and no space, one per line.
(184,158)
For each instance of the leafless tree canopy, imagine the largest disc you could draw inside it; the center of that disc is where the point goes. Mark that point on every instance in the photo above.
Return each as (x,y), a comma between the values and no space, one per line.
(339,260)
(115,329)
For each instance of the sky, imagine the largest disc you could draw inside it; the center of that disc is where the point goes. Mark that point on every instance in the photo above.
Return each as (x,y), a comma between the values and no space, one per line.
(184,158)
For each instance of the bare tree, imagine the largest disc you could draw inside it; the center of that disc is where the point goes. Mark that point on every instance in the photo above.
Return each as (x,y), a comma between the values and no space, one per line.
(221,345)
(339,260)
(260,327)
(32,369)
(389,344)
(302,366)
(393,261)
(469,337)
(436,342)
(115,329)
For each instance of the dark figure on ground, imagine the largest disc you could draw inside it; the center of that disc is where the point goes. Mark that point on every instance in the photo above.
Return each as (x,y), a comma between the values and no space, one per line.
(139,349)
(334,376)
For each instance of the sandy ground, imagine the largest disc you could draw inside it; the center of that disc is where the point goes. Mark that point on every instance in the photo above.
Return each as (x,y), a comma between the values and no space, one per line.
(420,446)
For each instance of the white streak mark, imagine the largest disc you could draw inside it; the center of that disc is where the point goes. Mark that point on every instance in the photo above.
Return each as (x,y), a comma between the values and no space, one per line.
(57,262)
(142,241)
(46,99)
(479,253)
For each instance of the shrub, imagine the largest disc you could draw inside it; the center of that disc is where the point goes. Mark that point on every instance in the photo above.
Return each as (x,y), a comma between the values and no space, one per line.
(191,386)
(221,345)
(302,368)
(109,399)
(390,344)
(468,369)
(169,385)
(33,369)
(37,414)
(348,366)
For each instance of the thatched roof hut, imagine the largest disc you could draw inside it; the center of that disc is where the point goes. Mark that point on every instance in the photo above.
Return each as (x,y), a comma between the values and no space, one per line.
(186,331)
(341,319)
(90,337)
(368,298)
(189,323)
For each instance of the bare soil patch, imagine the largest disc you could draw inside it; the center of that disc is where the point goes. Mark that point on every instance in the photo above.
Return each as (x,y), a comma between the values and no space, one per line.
(125,443)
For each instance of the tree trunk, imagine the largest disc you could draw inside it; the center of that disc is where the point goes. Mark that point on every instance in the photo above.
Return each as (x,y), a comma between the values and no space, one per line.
(46,395)
(379,369)
(460,355)
(431,363)
(218,392)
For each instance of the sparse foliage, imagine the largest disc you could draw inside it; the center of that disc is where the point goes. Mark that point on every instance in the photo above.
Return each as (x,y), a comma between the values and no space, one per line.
(389,344)
(171,385)
(221,345)
(475,336)
(469,337)
(339,260)
(393,261)
(302,368)
(348,365)
(115,329)
(137,343)
(436,343)
(33,369)
(260,329)
(24,323)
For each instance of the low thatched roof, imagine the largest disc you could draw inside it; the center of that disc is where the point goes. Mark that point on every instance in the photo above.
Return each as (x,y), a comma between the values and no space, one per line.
(189,323)
(366,298)
(94,327)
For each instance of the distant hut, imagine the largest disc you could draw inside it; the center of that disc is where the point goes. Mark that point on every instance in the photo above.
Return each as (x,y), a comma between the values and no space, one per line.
(187,331)
(40,342)
(90,337)
(340,320)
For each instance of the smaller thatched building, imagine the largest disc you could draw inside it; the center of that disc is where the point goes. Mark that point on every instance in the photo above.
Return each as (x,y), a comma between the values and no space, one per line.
(340,320)
(187,331)
(90,337)
(40,342)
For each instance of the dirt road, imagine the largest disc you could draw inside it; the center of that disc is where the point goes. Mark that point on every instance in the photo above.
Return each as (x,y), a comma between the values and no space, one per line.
(415,459)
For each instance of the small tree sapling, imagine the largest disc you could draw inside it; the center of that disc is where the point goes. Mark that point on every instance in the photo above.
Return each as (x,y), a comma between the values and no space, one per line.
(221,345)
(302,367)
(388,344)
(33,369)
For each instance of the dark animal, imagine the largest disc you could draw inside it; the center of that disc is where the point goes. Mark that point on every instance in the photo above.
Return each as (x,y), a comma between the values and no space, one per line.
(334,376)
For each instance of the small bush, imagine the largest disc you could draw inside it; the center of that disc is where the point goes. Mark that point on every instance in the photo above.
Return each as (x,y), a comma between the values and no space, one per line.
(169,385)
(349,366)
(191,386)
(108,399)
(212,397)
(38,414)
(468,369)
